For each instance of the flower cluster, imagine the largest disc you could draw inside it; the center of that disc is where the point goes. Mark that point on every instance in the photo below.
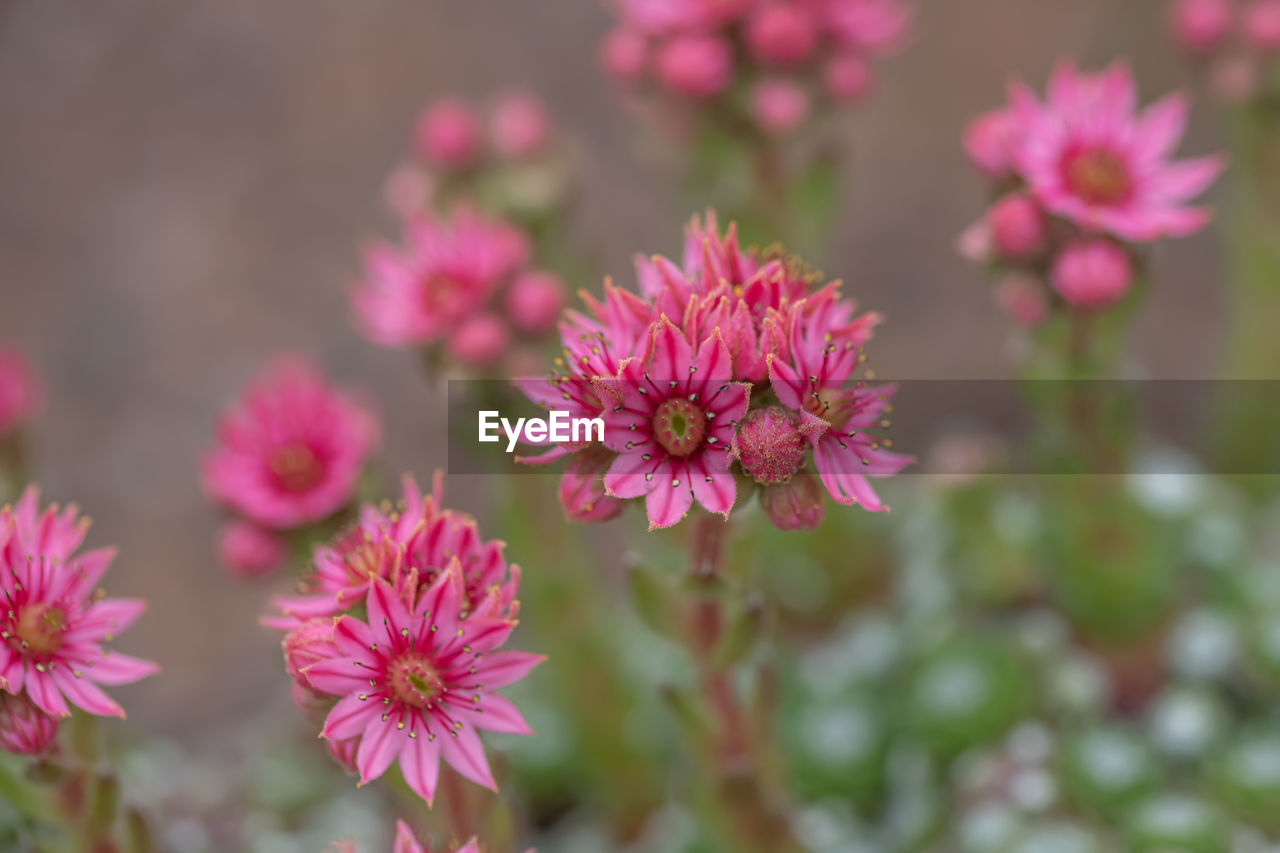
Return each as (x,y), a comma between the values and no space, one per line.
(1082,180)
(393,642)
(54,623)
(459,288)
(1236,41)
(289,455)
(770,59)
(20,391)
(733,369)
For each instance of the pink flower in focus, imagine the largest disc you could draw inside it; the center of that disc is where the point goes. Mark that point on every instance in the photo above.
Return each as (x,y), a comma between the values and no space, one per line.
(1092,274)
(416,682)
(875,26)
(519,125)
(24,728)
(779,106)
(534,301)
(672,426)
(290,451)
(1088,157)
(1201,25)
(20,392)
(1018,227)
(449,134)
(991,140)
(55,622)
(700,66)
(782,34)
(625,55)
(479,341)
(447,271)
(847,77)
(1261,24)
(248,550)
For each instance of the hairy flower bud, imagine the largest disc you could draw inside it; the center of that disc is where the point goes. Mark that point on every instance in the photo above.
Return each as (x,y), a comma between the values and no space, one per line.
(769,445)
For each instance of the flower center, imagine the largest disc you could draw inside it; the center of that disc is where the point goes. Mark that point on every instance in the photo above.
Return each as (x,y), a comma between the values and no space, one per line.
(39,628)
(296,468)
(413,681)
(1098,176)
(679,426)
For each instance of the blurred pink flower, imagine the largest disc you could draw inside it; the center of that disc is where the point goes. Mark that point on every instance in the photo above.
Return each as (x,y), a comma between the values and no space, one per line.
(700,66)
(1018,227)
(519,125)
(1201,25)
(991,140)
(847,77)
(55,621)
(876,26)
(416,682)
(1090,158)
(479,341)
(449,134)
(20,391)
(1261,24)
(625,55)
(534,301)
(779,106)
(248,550)
(290,450)
(782,34)
(1092,273)
(24,728)
(667,16)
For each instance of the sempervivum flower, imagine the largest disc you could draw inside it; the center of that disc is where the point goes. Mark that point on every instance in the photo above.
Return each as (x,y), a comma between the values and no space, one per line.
(416,681)
(19,390)
(55,620)
(1089,157)
(290,451)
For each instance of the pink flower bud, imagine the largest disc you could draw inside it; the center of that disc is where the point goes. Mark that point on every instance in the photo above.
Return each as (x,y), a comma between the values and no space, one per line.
(990,140)
(1022,298)
(1262,25)
(308,644)
(519,125)
(779,106)
(700,66)
(796,504)
(24,728)
(847,77)
(1092,273)
(976,242)
(769,445)
(344,752)
(625,55)
(479,341)
(782,34)
(1200,25)
(582,487)
(20,392)
(248,550)
(534,301)
(448,134)
(1018,227)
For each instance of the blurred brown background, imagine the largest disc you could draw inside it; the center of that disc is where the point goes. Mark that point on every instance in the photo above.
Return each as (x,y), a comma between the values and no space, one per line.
(184,187)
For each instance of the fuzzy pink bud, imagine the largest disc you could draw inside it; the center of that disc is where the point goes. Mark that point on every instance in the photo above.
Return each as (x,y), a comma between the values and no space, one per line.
(700,66)
(248,550)
(24,728)
(519,125)
(534,301)
(847,77)
(779,106)
(20,392)
(625,55)
(769,445)
(582,487)
(989,141)
(479,341)
(1022,298)
(796,504)
(1092,273)
(1200,25)
(449,134)
(1261,25)
(1018,227)
(782,34)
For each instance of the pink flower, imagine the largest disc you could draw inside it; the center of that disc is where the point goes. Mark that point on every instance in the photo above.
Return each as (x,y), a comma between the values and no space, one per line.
(782,34)
(449,134)
(672,426)
(876,26)
(290,451)
(1201,25)
(20,392)
(55,622)
(479,341)
(847,77)
(446,272)
(534,301)
(519,125)
(1018,227)
(416,682)
(625,55)
(24,728)
(779,106)
(1088,157)
(700,66)
(991,140)
(1092,273)
(1261,24)
(248,550)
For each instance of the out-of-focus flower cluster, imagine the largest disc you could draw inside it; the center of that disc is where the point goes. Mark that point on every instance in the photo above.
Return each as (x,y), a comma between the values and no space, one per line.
(393,643)
(771,64)
(289,457)
(732,370)
(1082,181)
(1235,42)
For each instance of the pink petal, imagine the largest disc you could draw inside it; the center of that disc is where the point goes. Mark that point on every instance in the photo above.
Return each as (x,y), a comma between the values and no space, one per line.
(338,676)
(715,491)
(1161,126)
(671,356)
(12,670)
(499,714)
(86,694)
(629,476)
(387,614)
(498,669)
(44,693)
(379,746)
(785,383)
(420,763)
(350,717)
(109,616)
(405,841)
(462,749)
(670,497)
(117,668)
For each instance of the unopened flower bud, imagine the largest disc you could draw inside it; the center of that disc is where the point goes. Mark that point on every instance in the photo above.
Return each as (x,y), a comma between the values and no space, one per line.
(582,487)
(782,33)
(779,106)
(534,301)
(1018,227)
(847,77)
(449,134)
(1092,273)
(624,55)
(24,728)
(1261,25)
(248,550)
(769,445)
(519,125)
(479,341)
(1200,25)
(700,66)
(796,504)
